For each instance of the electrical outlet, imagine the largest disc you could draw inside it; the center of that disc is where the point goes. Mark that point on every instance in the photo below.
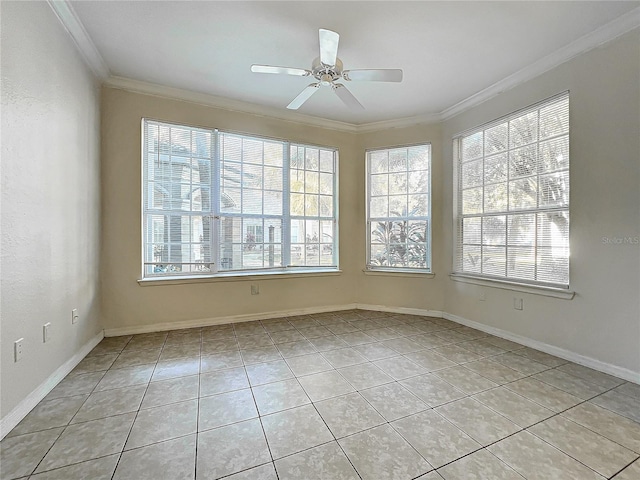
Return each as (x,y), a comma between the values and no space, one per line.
(482,296)
(74,315)
(255,290)
(518,304)
(17,349)
(46,332)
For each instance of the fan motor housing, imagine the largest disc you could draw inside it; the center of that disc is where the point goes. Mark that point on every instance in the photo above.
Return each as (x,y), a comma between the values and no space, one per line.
(326,74)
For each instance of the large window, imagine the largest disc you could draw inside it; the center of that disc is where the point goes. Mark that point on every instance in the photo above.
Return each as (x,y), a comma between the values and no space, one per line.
(217,202)
(513,196)
(398,208)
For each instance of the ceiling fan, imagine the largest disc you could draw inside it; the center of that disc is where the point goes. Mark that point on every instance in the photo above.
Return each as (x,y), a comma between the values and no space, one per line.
(327,69)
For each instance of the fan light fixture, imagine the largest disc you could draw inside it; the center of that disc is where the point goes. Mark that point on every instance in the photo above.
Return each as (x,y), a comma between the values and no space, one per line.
(327,69)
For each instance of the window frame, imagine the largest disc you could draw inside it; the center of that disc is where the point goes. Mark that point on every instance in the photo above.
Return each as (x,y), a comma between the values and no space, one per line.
(216,213)
(387,269)
(517,283)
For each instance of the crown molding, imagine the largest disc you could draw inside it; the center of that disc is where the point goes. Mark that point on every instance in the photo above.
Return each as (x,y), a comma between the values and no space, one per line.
(606,33)
(399,123)
(74,27)
(147,88)
(92,57)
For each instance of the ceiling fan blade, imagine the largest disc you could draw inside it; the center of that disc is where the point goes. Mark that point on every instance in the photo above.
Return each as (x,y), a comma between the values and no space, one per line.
(328,47)
(347,97)
(374,75)
(303,96)
(285,70)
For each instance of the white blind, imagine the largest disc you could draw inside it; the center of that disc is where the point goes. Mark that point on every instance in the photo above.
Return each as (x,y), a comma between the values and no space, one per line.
(513,196)
(399,207)
(216,201)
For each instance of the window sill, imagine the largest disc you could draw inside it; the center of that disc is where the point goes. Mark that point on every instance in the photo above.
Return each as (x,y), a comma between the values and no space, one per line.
(562,293)
(398,273)
(234,277)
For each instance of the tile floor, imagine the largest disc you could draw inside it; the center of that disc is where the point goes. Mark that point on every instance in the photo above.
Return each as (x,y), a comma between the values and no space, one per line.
(335,396)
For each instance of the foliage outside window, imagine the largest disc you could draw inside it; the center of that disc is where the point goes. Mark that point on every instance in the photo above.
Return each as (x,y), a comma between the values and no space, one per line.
(513,197)
(399,208)
(217,202)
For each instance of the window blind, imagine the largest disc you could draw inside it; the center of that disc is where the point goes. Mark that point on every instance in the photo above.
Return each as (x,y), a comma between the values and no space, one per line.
(216,202)
(513,196)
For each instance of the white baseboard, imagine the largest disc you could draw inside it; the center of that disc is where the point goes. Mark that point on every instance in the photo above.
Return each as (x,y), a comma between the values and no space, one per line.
(206,322)
(409,311)
(620,372)
(16,415)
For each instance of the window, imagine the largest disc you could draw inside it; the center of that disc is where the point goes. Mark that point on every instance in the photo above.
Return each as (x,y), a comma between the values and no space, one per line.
(513,197)
(217,202)
(399,208)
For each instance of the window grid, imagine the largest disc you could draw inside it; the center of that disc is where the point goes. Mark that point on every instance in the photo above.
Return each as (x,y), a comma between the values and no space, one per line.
(399,209)
(542,260)
(237,219)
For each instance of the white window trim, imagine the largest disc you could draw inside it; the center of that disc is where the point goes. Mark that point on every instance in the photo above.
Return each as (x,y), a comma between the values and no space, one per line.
(397,271)
(557,291)
(563,293)
(286,270)
(238,277)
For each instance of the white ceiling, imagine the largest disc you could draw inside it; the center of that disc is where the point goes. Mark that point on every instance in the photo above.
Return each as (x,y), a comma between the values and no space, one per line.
(449,51)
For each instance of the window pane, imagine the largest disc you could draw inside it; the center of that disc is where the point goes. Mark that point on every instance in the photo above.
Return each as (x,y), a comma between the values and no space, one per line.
(521,230)
(397,183)
(471,232)
(472,258)
(523,194)
(297,204)
(554,118)
(326,184)
(553,230)
(379,207)
(326,206)
(379,185)
(494,261)
(418,205)
(554,189)
(181,210)
(472,201)
(496,139)
(326,161)
(495,168)
(495,197)
(472,174)
(553,265)
(472,146)
(398,207)
(379,162)
(523,129)
(311,182)
(418,159)
(494,230)
(525,167)
(312,196)
(418,181)
(273,154)
(523,162)
(521,263)
(554,155)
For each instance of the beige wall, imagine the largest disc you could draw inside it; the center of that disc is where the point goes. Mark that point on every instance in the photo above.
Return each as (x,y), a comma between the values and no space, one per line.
(603,320)
(50,198)
(126,303)
(414,291)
